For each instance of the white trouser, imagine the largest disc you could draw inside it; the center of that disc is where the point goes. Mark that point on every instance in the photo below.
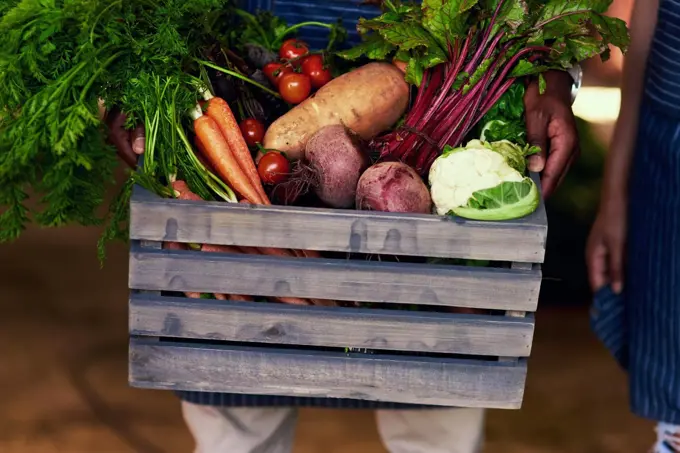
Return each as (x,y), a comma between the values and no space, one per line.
(271,430)
(668,438)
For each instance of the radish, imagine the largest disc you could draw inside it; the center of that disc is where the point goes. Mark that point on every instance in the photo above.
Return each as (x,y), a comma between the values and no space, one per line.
(393,187)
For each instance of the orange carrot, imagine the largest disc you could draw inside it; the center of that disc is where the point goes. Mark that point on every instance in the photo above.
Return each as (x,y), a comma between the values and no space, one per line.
(324,302)
(201,155)
(240,298)
(219,248)
(183,193)
(270,251)
(275,252)
(220,155)
(219,110)
(292,300)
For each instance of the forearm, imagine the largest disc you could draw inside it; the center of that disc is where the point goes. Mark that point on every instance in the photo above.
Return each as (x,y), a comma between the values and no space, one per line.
(617,167)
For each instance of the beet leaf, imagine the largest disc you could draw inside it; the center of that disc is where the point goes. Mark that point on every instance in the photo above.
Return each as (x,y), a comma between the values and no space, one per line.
(463,55)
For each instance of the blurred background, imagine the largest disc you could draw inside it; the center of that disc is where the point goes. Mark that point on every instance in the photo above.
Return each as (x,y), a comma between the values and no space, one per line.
(63,340)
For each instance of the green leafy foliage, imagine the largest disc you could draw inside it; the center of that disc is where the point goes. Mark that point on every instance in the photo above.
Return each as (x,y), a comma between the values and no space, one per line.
(269,31)
(505,120)
(58,58)
(263,28)
(572,30)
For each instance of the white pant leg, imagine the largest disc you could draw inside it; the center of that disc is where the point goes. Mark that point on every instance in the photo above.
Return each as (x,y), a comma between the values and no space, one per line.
(668,438)
(240,429)
(432,430)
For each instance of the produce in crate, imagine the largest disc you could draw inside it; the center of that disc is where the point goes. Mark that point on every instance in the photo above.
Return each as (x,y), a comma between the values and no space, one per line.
(484,181)
(464,55)
(393,187)
(335,158)
(153,61)
(367,100)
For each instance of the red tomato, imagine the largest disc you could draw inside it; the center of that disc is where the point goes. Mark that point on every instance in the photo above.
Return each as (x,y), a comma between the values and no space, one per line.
(295,88)
(273,168)
(252,130)
(292,49)
(313,67)
(274,72)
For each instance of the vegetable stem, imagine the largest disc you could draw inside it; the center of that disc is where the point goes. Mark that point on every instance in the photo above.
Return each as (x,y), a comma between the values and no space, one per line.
(224,191)
(96,21)
(97,73)
(238,76)
(291,29)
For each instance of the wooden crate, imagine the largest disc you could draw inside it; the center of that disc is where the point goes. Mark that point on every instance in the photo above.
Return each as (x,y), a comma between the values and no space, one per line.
(263,348)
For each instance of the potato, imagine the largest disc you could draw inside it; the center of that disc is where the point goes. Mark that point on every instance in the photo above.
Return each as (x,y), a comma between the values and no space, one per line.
(367,100)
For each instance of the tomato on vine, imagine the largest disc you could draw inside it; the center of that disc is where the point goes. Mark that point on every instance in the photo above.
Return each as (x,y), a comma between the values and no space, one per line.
(314,68)
(252,130)
(273,168)
(293,49)
(295,88)
(274,72)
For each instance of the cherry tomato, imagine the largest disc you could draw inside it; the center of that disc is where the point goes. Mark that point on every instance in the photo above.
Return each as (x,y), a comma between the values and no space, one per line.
(252,130)
(313,67)
(295,88)
(273,168)
(292,49)
(274,72)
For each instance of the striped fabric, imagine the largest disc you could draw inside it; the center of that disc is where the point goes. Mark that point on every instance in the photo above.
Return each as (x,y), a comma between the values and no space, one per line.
(642,328)
(608,320)
(328,11)
(663,70)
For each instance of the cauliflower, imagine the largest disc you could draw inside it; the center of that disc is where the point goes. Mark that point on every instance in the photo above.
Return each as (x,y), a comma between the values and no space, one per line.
(483,181)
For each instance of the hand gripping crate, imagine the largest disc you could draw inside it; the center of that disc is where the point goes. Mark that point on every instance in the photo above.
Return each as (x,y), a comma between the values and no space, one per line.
(264,348)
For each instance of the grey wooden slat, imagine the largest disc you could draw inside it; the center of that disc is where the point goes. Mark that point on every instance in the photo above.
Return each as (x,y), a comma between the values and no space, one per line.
(154,218)
(263,371)
(475,287)
(333,327)
(155,245)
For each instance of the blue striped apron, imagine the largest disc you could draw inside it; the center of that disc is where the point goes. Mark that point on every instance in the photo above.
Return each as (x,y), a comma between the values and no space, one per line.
(642,327)
(295,11)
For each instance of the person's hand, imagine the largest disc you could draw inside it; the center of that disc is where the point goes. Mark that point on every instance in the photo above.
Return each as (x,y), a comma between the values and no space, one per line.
(552,127)
(606,245)
(128,143)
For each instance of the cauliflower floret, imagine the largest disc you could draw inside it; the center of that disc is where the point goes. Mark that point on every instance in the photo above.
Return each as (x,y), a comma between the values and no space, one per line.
(456,176)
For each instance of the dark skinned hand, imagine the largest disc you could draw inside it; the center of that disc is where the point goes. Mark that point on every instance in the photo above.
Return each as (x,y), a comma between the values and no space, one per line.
(128,143)
(552,127)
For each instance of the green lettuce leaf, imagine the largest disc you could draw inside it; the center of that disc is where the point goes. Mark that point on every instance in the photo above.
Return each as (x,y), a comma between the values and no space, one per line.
(505,120)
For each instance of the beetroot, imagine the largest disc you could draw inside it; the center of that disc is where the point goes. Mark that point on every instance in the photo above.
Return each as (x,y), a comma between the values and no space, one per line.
(393,187)
(337,158)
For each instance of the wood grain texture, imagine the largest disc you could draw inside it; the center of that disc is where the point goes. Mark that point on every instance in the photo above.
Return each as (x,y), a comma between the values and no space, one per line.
(423,284)
(445,382)
(153,218)
(332,327)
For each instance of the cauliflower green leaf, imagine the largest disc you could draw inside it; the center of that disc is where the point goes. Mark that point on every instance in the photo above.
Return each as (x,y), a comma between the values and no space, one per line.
(508,200)
(484,181)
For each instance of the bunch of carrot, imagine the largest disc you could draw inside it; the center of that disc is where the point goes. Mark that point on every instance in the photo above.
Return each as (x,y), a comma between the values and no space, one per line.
(221,142)
(219,139)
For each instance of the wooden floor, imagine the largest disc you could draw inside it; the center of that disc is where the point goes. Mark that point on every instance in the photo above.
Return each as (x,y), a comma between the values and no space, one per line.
(63,383)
